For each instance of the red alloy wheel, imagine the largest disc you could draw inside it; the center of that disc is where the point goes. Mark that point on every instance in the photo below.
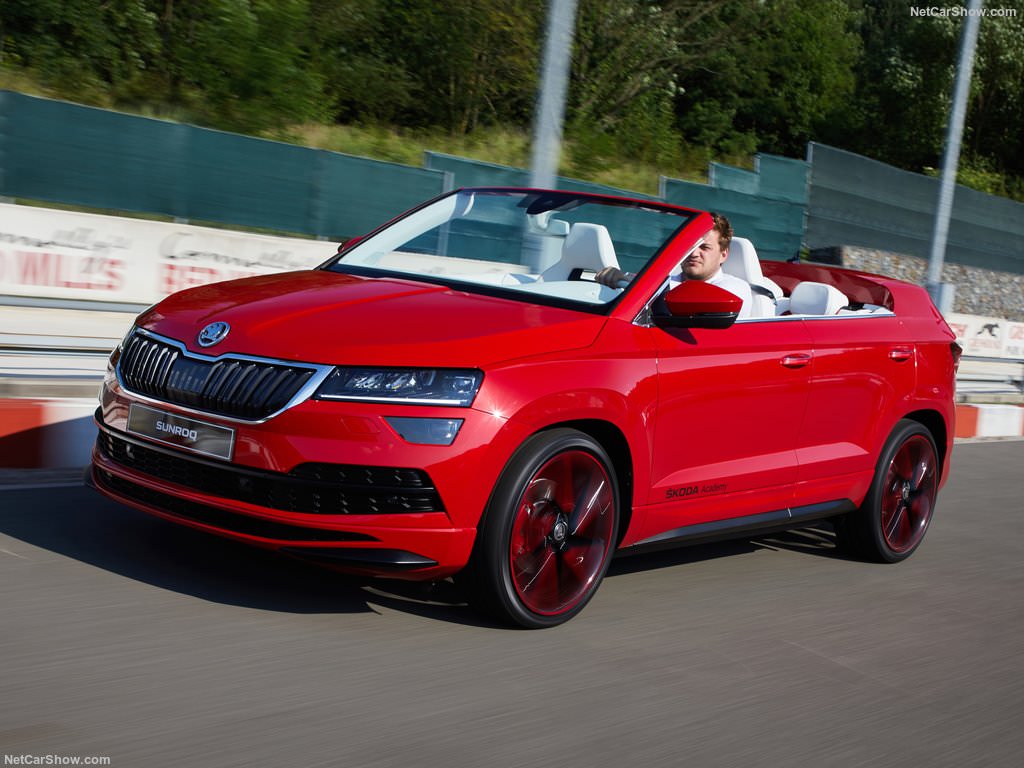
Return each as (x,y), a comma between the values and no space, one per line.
(911,484)
(562,533)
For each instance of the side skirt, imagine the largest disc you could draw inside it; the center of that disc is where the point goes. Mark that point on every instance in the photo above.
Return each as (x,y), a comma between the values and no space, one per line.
(750,525)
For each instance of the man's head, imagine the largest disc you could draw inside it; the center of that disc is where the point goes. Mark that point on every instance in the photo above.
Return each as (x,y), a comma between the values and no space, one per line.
(707,258)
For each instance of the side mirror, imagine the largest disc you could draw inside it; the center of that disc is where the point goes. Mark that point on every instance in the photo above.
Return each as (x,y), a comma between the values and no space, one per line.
(697,304)
(349,243)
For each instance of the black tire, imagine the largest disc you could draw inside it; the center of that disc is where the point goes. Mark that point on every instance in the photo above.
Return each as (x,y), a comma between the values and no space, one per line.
(891,523)
(548,533)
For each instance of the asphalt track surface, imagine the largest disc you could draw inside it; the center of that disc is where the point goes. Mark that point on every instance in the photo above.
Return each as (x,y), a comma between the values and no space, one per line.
(125,637)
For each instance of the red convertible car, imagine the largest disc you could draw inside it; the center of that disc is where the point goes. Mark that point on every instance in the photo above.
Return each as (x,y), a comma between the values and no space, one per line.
(456,395)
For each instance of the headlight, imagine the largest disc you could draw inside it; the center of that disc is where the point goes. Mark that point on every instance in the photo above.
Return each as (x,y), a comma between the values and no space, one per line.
(413,386)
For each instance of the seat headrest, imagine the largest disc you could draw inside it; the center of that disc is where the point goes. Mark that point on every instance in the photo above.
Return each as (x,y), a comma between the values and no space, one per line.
(589,246)
(744,264)
(743,261)
(809,298)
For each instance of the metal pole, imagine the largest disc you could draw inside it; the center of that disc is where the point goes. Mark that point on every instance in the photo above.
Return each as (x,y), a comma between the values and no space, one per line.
(942,293)
(554,81)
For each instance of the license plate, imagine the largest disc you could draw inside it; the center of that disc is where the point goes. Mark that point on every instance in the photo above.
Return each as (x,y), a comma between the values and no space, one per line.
(190,434)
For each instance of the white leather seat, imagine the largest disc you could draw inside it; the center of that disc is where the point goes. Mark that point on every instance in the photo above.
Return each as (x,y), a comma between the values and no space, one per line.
(744,264)
(587,246)
(810,298)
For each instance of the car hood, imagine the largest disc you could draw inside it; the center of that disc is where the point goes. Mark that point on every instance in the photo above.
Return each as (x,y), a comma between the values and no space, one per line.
(327,317)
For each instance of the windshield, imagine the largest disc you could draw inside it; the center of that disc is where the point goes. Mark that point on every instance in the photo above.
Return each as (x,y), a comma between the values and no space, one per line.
(532,244)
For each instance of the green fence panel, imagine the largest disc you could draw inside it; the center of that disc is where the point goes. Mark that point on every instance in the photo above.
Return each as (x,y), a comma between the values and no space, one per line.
(766,205)
(356,195)
(476,173)
(775,227)
(737,179)
(241,180)
(858,201)
(783,178)
(65,153)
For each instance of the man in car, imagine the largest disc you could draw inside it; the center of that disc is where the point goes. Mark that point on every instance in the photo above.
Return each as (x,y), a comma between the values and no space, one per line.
(703,263)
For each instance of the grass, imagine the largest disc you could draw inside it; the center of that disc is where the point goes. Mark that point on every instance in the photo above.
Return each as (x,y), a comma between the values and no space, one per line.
(503,146)
(499,145)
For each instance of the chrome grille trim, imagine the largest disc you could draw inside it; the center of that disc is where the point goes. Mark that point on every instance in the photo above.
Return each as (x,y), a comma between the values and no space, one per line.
(167,373)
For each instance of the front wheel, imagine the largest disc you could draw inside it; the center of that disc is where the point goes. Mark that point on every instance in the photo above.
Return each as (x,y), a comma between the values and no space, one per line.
(548,533)
(892,521)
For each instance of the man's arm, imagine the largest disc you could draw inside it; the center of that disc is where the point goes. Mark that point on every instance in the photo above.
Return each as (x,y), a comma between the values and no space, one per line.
(614,277)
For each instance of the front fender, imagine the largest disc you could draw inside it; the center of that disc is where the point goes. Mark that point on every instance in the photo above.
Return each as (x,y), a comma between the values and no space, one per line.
(541,395)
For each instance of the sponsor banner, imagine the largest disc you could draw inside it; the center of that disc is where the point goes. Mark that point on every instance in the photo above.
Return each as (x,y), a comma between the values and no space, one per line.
(988,336)
(45,253)
(1013,342)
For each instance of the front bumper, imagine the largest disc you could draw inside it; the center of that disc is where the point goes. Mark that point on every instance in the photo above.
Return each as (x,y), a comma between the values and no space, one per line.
(327,482)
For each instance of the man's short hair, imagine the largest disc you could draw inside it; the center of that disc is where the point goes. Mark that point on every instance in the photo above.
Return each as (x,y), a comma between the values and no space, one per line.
(724,230)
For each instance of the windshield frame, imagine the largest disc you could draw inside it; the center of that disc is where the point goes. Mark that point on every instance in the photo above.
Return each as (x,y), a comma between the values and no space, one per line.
(685,217)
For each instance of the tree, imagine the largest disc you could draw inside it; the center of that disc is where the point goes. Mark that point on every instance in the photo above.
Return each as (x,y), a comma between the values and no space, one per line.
(994,141)
(904,89)
(240,64)
(78,46)
(362,80)
(627,64)
(904,83)
(778,83)
(469,63)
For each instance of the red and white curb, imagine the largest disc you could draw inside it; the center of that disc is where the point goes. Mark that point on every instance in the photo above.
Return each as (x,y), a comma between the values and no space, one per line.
(983,420)
(57,433)
(46,433)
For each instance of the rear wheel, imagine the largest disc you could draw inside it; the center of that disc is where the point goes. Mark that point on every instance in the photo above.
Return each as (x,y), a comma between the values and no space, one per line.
(892,521)
(548,533)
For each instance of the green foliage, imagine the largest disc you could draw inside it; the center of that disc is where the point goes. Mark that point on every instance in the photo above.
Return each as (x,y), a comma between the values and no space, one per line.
(473,65)
(625,51)
(626,67)
(905,83)
(776,82)
(251,73)
(361,81)
(805,63)
(665,85)
(979,173)
(996,113)
(79,47)
(495,145)
(905,80)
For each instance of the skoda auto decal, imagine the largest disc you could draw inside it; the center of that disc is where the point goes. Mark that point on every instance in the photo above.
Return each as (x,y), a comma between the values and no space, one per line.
(212,334)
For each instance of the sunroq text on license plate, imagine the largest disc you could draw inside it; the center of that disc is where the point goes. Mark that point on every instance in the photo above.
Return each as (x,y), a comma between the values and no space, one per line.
(190,434)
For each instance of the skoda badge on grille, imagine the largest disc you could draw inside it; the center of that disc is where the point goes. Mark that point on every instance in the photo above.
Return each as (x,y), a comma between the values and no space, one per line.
(213,334)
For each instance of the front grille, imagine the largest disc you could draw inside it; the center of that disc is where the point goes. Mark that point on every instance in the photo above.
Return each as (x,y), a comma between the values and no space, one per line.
(319,489)
(219,518)
(244,389)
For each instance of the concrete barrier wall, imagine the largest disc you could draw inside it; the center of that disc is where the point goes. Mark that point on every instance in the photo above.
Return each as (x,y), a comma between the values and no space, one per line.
(46,253)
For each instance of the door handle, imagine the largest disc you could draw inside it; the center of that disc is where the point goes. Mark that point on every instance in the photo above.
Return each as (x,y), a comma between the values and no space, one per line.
(900,354)
(796,361)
